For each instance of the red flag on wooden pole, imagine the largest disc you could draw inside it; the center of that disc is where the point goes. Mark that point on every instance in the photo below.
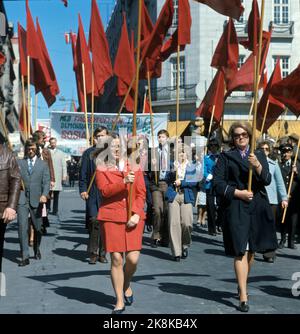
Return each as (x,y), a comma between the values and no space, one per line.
(275,108)
(226,55)
(100,50)
(287,91)
(231,8)
(124,67)
(22,50)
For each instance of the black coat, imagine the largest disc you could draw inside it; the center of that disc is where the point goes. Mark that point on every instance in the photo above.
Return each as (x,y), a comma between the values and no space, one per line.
(244,222)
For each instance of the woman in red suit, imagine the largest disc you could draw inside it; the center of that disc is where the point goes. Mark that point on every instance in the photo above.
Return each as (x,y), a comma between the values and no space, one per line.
(122,232)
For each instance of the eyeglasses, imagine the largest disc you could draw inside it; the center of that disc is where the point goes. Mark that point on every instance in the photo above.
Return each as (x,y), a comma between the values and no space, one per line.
(240,135)
(265,148)
(31,149)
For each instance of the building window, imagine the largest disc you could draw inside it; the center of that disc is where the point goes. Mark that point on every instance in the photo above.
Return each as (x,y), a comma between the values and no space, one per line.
(281,11)
(241,61)
(284,64)
(174,72)
(175,16)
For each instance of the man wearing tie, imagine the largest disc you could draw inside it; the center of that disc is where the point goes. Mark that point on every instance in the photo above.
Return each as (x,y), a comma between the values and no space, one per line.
(36,179)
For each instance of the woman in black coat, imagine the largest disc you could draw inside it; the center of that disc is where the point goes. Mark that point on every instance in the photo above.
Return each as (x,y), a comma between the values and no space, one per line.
(248,219)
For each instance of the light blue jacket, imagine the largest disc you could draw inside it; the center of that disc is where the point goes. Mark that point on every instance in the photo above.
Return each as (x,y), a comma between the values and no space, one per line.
(276,189)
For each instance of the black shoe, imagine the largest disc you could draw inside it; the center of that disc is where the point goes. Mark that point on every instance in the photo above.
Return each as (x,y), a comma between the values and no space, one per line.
(24,263)
(269,259)
(93,259)
(128,299)
(164,243)
(185,253)
(176,258)
(155,243)
(44,230)
(243,307)
(102,259)
(118,310)
(38,255)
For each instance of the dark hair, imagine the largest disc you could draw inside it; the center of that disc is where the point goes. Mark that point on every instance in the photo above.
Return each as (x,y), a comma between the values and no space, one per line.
(264,142)
(52,138)
(38,134)
(163,132)
(100,129)
(29,142)
(106,144)
(244,125)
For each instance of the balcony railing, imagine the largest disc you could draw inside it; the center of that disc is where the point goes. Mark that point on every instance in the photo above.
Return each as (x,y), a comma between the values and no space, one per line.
(282,30)
(169,93)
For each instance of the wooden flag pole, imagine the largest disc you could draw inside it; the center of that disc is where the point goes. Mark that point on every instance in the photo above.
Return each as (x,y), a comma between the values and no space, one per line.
(291,181)
(281,124)
(210,127)
(177,106)
(137,74)
(35,112)
(28,97)
(251,109)
(25,132)
(265,117)
(257,63)
(85,107)
(5,130)
(93,106)
(151,120)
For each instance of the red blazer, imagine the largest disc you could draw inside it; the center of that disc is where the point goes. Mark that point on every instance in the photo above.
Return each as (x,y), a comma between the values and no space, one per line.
(115,195)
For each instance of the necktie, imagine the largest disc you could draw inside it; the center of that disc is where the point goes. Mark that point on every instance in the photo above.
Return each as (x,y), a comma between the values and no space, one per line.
(30,166)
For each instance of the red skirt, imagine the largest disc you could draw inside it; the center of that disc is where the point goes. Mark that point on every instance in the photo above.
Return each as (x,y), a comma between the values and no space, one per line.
(118,238)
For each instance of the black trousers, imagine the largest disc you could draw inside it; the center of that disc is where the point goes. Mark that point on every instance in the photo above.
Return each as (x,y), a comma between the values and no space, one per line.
(211,211)
(2,232)
(55,201)
(270,254)
(95,244)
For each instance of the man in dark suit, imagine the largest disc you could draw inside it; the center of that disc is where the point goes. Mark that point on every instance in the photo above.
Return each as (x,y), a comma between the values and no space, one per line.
(93,199)
(10,181)
(36,179)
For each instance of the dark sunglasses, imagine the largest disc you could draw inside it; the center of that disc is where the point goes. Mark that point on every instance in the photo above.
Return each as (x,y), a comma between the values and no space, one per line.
(240,135)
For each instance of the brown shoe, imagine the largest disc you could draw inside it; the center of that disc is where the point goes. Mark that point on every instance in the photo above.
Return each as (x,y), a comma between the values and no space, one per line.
(93,259)
(102,259)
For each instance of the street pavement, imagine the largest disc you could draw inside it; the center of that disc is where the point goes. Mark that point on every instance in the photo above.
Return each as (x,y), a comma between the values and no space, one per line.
(63,282)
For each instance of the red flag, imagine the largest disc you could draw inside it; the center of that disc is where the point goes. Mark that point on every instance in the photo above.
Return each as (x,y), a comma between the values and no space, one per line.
(275,108)
(244,78)
(146,107)
(22,50)
(124,67)
(53,89)
(33,46)
(226,55)
(65,2)
(2,59)
(287,91)
(213,97)
(253,29)
(152,46)
(184,22)
(231,8)
(146,24)
(83,57)
(99,47)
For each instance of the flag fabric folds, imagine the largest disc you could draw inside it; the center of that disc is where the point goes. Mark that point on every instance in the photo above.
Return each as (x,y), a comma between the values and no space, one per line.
(214,97)
(253,29)
(226,55)
(231,8)
(100,50)
(287,91)
(244,78)
(275,108)
(124,67)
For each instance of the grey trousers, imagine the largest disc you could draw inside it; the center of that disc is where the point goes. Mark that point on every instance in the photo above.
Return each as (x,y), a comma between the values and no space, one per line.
(36,217)
(180,224)
(95,244)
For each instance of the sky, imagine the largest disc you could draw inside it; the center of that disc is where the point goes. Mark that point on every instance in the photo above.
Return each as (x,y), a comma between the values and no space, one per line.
(55,19)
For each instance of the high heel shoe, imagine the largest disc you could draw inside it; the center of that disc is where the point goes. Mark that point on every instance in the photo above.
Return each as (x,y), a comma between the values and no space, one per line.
(128,299)
(118,310)
(243,307)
